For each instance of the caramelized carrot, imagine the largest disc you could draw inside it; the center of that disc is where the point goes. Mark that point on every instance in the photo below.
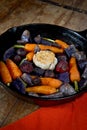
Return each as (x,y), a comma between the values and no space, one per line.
(62,44)
(51,82)
(30,55)
(31,47)
(74,72)
(4,73)
(13,69)
(44,89)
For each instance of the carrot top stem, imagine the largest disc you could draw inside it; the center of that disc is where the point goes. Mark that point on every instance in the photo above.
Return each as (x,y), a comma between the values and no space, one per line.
(18,46)
(22,61)
(8,84)
(76,86)
(48,39)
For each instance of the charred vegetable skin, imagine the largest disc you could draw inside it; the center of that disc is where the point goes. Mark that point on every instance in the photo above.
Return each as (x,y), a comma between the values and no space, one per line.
(27,78)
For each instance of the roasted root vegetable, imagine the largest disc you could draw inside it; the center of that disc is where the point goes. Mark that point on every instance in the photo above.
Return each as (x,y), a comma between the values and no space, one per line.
(64,77)
(27,79)
(84,75)
(67,89)
(62,66)
(9,53)
(74,72)
(4,73)
(71,50)
(31,47)
(55,83)
(26,66)
(13,69)
(62,44)
(44,89)
(19,85)
(30,55)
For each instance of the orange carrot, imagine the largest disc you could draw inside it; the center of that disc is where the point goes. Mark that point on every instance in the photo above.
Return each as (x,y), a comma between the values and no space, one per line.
(44,89)
(13,69)
(30,55)
(74,72)
(62,44)
(51,82)
(31,47)
(4,73)
(72,62)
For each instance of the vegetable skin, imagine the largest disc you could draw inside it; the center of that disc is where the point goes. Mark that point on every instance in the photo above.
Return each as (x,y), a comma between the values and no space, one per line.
(44,89)
(31,47)
(13,69)
(4,73)
(62,44)
(30,55)
(74,73)
(55,83)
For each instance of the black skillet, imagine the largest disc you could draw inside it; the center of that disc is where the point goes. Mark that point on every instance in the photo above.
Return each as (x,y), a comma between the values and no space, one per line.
(9,38)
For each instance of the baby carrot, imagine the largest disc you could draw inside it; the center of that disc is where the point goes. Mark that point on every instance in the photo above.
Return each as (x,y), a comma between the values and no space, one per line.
(30,55)
(74,72)
(13,69)
(51,82)
(62,44)
(44,89)
(31,47)
(4,73)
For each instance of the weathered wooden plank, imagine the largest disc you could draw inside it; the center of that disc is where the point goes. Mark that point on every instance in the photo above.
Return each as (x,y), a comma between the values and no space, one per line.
(70,4)
(7,101)
(24,14)
(20,110)
(63,2)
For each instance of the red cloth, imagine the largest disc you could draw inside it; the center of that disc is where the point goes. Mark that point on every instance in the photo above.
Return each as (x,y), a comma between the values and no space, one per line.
(69,116)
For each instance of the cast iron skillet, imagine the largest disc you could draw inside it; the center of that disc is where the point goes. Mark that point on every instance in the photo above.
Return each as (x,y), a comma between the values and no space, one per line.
(9,38)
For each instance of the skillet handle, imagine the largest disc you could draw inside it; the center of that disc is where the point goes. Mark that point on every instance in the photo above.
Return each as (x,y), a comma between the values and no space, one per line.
(83,33)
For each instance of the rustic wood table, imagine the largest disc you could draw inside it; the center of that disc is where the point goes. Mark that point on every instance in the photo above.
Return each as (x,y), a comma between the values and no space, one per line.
(68,13)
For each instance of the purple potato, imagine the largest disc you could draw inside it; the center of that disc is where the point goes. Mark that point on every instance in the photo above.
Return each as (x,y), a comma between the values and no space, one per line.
(64,77)
(21,52)
(38,71)
(67,89)
(36,81)
(19,85)
(82,63)
(70,50)
(27,78)
(26,36)
(83,83)
(79,55)
(49,73)
(84,75)
(26,66)
(9,53)
(17,59)
(37,39)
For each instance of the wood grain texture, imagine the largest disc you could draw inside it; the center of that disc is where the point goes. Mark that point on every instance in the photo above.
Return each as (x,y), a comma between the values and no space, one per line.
(18,12)
(80,4)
